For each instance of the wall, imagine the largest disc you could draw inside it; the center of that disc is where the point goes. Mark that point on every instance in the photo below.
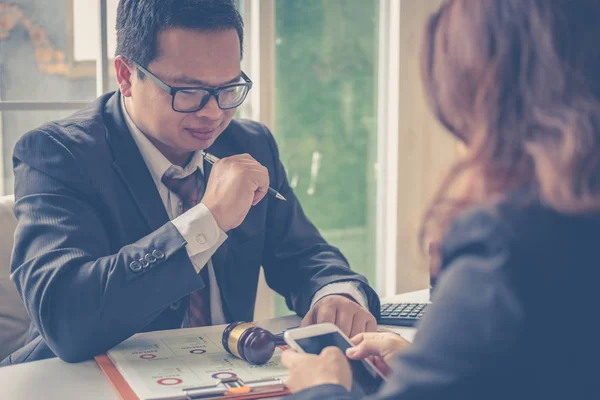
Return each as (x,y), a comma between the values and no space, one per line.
(425,149)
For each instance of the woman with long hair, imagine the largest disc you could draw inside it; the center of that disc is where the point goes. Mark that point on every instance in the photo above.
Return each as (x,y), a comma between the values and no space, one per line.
(518,217)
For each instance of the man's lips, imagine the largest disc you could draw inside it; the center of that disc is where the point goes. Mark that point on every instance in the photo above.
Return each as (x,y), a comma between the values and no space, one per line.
(203,130)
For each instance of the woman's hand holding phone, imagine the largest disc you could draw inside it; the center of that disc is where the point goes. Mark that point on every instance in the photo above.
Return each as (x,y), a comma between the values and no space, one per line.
(318,358)
(378,347)
(308,370)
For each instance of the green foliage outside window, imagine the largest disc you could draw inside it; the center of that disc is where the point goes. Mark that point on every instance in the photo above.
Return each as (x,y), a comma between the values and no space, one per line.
(326,63)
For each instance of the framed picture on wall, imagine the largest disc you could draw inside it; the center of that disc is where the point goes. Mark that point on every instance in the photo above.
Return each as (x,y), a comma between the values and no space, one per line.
(74,57)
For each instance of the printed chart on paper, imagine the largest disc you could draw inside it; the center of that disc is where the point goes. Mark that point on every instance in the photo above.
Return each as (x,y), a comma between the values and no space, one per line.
(161,364)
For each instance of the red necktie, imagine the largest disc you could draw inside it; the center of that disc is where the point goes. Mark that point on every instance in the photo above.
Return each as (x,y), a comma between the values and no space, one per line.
(190,191)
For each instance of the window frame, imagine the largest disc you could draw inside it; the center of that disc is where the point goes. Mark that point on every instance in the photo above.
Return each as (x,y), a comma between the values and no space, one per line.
(388,124)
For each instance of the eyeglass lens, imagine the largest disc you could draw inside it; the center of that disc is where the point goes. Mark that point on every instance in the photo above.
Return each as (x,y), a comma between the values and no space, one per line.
(193,99)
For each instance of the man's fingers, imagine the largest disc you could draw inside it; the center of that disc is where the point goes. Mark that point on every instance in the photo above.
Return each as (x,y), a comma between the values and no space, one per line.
(364,321)
(325,313)
(261,177)
(359,325)
(246,163)
(259,194)
(346,321)
(258,174)
(308,318)
(371,325)
(240,157)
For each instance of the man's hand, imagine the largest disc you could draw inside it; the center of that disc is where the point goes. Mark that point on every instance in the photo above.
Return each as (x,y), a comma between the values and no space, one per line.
(349,316)
(236,183)
(308,370)
(380,348)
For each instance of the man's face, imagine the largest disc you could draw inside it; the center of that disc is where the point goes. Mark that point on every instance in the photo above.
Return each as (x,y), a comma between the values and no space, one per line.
(186,58)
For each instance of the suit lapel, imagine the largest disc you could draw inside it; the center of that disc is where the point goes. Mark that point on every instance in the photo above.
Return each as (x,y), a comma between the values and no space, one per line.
(130,165)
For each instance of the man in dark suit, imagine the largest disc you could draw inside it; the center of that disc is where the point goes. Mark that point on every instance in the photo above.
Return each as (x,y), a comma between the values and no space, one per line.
(122,225)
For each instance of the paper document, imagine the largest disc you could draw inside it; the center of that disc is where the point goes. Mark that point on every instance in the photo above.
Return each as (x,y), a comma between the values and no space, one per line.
(162,364)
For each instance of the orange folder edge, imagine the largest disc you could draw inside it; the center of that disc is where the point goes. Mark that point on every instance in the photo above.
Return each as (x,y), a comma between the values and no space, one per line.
(126,393)
(116,379)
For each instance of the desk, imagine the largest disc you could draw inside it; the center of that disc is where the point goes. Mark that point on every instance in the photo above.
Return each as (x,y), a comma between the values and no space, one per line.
(54,379)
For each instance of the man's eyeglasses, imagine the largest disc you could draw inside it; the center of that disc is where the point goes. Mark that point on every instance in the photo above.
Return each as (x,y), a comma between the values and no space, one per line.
(192,99)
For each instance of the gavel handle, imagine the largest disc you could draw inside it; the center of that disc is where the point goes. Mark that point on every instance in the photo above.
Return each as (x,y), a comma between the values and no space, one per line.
(279,340)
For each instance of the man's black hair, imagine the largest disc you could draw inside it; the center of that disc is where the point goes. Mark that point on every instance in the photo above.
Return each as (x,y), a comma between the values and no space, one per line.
(140,21)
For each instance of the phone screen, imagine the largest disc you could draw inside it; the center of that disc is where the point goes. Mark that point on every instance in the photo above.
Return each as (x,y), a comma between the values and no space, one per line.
(365,379)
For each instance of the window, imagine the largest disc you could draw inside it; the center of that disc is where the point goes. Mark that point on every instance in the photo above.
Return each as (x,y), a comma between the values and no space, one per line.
(45,74)
(85,32)
(326,118)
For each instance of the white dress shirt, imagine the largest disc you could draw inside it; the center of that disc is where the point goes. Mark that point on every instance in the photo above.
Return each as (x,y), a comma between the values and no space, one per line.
(198,226)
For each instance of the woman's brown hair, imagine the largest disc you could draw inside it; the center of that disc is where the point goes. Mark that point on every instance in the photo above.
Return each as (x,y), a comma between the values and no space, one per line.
(519,82)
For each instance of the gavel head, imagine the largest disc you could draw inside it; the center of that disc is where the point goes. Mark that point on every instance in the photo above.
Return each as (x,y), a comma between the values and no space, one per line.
(249,342)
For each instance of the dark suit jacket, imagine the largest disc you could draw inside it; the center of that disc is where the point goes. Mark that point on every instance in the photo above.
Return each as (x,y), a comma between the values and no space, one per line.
(514,314)
(87,207)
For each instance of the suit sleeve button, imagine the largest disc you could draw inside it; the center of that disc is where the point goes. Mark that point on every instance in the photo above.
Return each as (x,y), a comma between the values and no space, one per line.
(135,266)
(144,262)
(150,258)
(158,254)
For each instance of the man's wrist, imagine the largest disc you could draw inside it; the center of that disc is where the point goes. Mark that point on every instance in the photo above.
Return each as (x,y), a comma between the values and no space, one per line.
(213,209)
(337,294)
(349,289)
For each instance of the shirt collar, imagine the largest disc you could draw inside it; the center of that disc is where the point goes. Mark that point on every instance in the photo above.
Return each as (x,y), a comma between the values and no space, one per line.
(157,163)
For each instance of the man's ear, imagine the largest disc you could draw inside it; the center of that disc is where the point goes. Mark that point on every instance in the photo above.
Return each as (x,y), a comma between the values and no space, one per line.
(124,71)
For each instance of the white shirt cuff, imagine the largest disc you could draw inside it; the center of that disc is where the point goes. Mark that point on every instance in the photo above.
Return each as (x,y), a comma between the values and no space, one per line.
(351,289)
(202,234)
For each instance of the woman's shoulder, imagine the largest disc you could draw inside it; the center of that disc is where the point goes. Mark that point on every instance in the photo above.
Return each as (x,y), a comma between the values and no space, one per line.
(488,228)
(518,224)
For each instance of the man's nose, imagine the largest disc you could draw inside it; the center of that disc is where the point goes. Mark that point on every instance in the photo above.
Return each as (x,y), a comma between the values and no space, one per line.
(210,110)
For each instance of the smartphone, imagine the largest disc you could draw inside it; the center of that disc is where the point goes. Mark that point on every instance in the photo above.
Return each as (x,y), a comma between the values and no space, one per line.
(366,379)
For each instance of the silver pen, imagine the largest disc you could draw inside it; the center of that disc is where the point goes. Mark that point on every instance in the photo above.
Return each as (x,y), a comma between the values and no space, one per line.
(213,159)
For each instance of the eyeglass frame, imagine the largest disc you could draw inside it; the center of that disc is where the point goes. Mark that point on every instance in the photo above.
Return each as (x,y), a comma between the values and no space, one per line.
(172,90)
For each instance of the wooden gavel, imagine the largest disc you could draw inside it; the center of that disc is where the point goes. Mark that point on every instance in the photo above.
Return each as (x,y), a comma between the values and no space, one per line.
(250,343)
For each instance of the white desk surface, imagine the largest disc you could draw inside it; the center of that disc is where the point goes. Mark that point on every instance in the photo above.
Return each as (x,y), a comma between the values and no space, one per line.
(54,379)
